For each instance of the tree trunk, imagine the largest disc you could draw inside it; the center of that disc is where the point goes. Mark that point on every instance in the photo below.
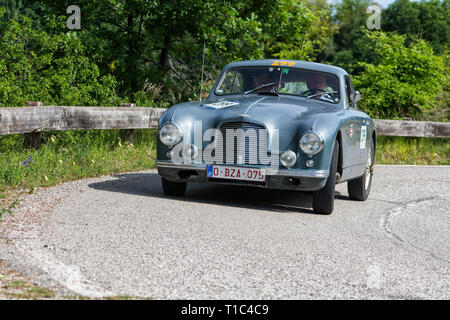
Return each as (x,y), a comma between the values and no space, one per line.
(165,53)
(132,67)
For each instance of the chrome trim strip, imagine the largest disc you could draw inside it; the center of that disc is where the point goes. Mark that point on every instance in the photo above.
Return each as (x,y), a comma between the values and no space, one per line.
(299,173)
(322,174)
(170,164)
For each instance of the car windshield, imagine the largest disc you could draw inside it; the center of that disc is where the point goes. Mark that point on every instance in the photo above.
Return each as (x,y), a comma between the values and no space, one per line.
(280,80)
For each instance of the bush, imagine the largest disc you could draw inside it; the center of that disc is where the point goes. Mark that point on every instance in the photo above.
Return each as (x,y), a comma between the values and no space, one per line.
(52,68)
(404,81)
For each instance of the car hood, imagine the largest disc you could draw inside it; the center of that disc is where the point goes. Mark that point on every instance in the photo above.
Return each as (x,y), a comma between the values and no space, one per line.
(270,111)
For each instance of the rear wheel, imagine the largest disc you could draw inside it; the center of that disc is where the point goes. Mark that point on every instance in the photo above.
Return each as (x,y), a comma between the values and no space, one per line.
(359,189)
(323,199)
(175,189)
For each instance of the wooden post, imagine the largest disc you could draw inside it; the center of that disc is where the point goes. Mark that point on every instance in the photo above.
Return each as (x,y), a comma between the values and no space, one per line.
(127,134)
(33,140)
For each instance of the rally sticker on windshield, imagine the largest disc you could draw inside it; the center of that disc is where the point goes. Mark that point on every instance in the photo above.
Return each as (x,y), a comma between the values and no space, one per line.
(221,104)
(283,63)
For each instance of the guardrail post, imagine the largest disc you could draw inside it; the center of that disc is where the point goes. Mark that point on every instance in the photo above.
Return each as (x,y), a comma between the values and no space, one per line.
(127,134)
(33,140)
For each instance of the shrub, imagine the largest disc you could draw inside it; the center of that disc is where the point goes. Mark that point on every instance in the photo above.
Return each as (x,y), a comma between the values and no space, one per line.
(404,81)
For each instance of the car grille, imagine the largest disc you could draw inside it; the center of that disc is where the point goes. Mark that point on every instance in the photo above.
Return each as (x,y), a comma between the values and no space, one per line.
(253,140)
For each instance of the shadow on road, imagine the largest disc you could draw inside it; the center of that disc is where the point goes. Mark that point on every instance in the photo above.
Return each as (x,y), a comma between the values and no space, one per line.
(149,184)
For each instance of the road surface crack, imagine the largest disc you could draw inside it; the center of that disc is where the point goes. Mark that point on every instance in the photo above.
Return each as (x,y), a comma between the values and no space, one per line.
(387,219)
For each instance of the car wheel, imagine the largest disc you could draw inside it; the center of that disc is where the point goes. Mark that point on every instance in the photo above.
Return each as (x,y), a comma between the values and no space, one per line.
(323,199)
(176,189)
(358,189)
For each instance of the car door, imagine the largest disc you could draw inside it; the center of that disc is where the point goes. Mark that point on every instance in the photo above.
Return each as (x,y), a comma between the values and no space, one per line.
(359,133)
(347,135)
(355,129)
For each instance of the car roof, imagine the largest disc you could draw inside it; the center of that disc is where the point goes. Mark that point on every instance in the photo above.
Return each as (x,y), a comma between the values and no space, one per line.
(298,64)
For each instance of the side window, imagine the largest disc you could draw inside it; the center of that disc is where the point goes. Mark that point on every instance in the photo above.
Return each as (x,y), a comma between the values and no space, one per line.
(348,92)
(352,91)
(232,83)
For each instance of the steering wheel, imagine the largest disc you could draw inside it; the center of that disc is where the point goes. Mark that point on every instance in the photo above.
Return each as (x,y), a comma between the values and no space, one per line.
(313,91)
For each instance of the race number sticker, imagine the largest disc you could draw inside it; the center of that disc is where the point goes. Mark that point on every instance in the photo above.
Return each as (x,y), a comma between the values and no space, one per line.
(362,142)
(283,63)
(221,104)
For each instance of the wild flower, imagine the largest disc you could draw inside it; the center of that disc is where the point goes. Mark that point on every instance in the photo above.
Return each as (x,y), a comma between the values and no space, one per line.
(27,162)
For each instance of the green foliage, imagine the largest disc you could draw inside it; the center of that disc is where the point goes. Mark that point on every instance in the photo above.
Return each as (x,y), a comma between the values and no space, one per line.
(145,42)
(404,81)
(428,20)
(410,150)
(48,67)
(70,155)
(350,16)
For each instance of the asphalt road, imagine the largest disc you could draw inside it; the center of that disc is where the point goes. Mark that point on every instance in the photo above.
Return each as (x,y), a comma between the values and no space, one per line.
(119,235)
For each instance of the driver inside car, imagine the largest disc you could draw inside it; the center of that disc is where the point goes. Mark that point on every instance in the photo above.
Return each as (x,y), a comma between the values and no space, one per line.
(263,78)
(317,84)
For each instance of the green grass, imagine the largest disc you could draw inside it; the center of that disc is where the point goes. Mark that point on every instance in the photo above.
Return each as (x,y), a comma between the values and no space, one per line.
(70,155)
(20,289)
(419,151)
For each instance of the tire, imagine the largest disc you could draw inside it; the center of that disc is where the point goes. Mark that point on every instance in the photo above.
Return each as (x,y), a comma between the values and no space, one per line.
(174,189)
(323,199)
(359,189)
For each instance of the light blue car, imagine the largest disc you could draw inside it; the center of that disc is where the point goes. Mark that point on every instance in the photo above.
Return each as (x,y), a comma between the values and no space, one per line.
(281,124)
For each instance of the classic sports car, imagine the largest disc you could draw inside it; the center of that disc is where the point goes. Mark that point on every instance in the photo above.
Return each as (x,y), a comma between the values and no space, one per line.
(280,124)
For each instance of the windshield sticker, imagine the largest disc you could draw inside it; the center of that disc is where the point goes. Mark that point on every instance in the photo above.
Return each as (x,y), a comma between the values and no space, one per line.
(362,143)
(283,63)
(221,104)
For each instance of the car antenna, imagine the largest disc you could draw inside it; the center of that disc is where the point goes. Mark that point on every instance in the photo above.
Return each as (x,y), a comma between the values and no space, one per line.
(203,67)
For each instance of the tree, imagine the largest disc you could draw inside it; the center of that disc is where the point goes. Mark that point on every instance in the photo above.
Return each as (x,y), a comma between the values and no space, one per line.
(348,45)
(52,68)
(151,42)
(428,20)
(404,82)
(24,7)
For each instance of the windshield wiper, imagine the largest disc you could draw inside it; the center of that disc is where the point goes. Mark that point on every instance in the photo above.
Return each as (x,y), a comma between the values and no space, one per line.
(261,86)
(316,94)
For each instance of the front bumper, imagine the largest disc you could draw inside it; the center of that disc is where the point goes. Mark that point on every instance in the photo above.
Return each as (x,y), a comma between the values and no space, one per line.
(292,179)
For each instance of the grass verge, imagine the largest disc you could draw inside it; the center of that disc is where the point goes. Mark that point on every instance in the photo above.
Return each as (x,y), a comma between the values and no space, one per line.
(67,156)
(407,150)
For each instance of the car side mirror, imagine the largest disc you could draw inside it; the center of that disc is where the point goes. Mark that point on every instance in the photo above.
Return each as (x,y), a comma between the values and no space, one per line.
(355,96)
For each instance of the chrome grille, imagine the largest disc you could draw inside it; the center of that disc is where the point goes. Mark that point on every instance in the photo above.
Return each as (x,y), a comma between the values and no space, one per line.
(246,150)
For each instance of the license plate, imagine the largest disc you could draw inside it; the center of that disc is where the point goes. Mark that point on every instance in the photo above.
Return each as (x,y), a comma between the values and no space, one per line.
(236,173)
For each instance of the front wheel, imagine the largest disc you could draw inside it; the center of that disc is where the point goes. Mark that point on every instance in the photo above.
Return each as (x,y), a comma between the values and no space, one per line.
(323,199)
(175,189)
(359,189)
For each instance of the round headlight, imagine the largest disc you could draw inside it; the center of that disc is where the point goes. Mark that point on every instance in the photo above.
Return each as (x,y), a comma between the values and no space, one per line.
(311,143)
(170,134)
(288,158)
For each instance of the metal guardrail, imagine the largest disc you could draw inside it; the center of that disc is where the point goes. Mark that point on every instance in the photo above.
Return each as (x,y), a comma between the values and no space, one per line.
(34,120)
